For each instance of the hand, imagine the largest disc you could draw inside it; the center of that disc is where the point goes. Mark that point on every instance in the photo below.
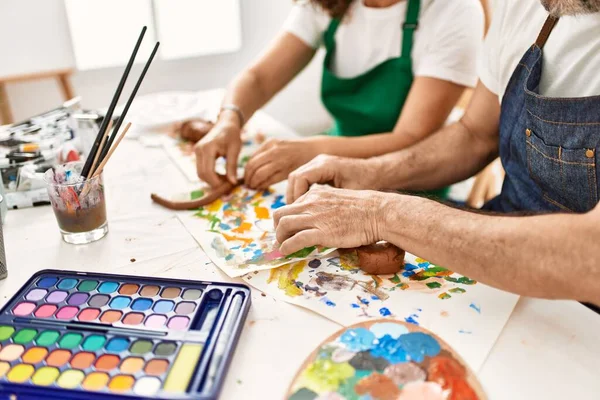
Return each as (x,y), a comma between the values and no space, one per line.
(194,130)
(222,141)
(275,159)
(341,172)
(332,218)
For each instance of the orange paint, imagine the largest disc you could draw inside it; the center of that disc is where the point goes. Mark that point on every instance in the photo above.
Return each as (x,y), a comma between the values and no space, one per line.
(107,362)
(156,367)
(377,386)
(111,316)
(261,212)
(34,355)
(131,365)
(58,358)
(264,235)
(237,238)
(129,288)
(95,381)
(121,383)
(244,227)
(214,206)
(450,375)
(83,360)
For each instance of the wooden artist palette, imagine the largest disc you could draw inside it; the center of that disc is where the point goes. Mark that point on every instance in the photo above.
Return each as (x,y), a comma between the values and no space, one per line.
(384,360)
(70,335)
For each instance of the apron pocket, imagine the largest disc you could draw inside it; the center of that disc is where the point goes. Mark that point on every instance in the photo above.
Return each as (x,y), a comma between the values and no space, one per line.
(567,177)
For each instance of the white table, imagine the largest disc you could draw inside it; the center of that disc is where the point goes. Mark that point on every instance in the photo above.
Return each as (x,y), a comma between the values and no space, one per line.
(547,350)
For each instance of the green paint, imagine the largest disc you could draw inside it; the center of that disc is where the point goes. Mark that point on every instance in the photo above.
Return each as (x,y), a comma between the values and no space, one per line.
(196,194)
(444,296)
(347,388)
(94,342)
(88,286)
(457,290)
(324,375)
(70,340)
(403,286)
(303,394)
(433,285)
(244,160)
(302,253)
(141,347)
(6,332)
(24,336)
(47,338)
(165,349)
(463,279)
(395,279)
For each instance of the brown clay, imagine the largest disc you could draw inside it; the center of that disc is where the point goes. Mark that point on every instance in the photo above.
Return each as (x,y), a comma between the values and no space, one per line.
(380,258)
(195,129)
(210,196)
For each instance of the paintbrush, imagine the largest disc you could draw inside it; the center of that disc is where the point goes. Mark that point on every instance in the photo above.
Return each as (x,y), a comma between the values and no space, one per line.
(88,163)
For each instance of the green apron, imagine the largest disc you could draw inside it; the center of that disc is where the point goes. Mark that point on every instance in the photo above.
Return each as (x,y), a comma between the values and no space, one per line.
(371,102)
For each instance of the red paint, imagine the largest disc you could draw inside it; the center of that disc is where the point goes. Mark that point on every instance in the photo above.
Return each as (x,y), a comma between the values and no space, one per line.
(450,375)
(45,311)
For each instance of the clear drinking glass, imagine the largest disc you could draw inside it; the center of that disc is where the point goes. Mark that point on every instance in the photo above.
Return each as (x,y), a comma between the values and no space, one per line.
(79,205)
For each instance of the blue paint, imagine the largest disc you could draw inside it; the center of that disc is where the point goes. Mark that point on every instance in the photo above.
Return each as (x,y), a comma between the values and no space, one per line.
(388,328)
(418,345)
(226,206)
(248,198)
(374,297)
(225,227)
(252,245)
(163,306)
(419,309)
(141,304)
(465,332)
(411,319)
(328,302)
(354,305)
(236,247)
(358,339)
(258,252)
(120,302)
(247,249)
(266,193)
(364,301)
(475,307)
(385,312)
(410,267)
(67,284)
(278,202)
(229,257)
(390,349)
(108,287)
(47,282)
(407,274)
(424,264)
(117,345)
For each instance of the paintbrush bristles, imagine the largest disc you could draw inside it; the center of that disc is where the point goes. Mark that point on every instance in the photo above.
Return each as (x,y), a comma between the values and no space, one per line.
(111,151)
(100,148)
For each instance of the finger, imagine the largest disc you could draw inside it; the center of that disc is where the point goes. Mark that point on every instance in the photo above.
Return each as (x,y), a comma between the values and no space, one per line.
(290,225)
(255,162)
(299,241)
(233,152)
(206,166)
(273,179)
(268,175)
(285,211)
(299,188)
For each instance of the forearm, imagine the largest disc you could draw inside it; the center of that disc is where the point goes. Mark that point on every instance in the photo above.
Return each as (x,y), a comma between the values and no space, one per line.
(446,157)
(502,251)
(246,92)
(363,146)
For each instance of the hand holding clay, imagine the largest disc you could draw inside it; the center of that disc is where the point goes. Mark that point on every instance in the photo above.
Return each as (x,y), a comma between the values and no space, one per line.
(380,258)
(224,140)
(194,130)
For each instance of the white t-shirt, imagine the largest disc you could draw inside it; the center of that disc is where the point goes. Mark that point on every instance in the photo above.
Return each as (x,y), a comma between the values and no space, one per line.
(571,55)
(445,43)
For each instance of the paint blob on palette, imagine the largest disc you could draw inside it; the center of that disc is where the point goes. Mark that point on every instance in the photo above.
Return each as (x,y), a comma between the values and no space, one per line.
(466,314)
(238,234)
(118,303)
(384,360)
(119,335)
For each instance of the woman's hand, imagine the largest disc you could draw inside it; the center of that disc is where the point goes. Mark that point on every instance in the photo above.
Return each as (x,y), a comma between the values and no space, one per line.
(275,159)
(224,140)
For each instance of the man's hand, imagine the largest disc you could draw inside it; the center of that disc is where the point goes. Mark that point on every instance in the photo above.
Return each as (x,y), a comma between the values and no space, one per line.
(222,141)
(340,172)
(332,218)
(275,159)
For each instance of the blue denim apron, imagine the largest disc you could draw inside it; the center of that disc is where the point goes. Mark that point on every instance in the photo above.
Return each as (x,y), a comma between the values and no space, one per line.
(547,145)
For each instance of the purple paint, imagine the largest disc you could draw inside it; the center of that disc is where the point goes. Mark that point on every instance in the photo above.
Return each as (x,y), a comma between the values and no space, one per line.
(77,299)
(56,296)
(36,294)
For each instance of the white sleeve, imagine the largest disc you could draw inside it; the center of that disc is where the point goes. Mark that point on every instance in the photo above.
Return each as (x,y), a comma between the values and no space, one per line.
(452,35)
(488,62)
(308,23)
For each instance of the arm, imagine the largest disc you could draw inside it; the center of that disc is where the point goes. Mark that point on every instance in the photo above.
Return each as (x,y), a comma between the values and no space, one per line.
(249,91)
(422,114)
(549,256)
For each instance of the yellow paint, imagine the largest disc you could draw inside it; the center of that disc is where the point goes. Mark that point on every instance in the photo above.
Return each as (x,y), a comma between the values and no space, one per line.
(243,228)
(230,238)
(419,260)
(95,381)
(121,383)
(214,206)
(70,379)
(286,278)
(261,213)
(183,368)
(4,367)
(45,376)
(34,355)
(20,373)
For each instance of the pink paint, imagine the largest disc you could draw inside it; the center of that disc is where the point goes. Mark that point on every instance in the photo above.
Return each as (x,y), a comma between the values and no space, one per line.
(156,321)
(24,308)
(178,323)
(67,312)
(273,255)
(45,311)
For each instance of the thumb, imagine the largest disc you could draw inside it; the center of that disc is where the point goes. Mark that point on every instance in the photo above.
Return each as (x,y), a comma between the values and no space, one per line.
(233,152)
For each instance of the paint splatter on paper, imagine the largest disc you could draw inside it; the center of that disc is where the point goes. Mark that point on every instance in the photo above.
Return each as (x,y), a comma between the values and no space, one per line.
(418,295)
(382,360)
(238,235)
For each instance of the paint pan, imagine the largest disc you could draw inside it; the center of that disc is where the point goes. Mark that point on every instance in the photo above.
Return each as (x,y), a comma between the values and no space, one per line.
(67,333)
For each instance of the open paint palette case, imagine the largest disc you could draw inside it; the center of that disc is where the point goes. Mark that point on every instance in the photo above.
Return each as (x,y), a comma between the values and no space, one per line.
(73,335)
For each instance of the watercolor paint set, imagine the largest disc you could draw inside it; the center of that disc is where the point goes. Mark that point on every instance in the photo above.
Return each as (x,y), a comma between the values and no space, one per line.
(73,335)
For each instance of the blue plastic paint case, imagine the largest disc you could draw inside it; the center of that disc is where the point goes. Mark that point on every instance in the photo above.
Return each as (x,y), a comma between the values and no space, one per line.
(76,335)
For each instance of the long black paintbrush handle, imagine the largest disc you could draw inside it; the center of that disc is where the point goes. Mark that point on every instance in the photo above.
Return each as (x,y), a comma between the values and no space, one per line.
(111,108)
(112,137)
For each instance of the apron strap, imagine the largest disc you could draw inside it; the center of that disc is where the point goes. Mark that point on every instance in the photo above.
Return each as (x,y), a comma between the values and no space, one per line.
(329,36)
(411,23)
(545,32)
